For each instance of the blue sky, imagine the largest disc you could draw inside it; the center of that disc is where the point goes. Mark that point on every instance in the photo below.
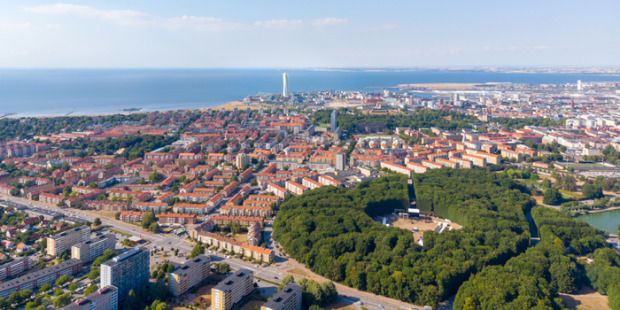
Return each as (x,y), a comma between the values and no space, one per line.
(285,34)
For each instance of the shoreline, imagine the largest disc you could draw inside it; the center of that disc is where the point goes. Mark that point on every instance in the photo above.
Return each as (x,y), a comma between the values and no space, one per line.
(601,210)
(229,106)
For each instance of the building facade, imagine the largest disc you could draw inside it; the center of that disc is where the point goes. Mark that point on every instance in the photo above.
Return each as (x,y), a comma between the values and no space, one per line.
(63,241)
(191,273)
(88,251)
(127,271)
(289,298)
(105,298)
(232,289)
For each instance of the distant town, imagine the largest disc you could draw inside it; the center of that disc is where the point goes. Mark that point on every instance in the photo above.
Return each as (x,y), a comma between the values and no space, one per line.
(176,209)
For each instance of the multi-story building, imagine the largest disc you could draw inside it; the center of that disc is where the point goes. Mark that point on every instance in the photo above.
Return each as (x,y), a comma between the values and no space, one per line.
(241,160)
(191,273)
(131,216)
(63,241)
(223,243)
(174,218)
(232,289)
(14,267)
(105,298)
(127,271)
(36,279)
(289,298)
(88,251)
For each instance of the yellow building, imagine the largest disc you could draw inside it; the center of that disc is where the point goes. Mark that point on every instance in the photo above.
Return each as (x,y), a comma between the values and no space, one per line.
(232,289)
(191,273)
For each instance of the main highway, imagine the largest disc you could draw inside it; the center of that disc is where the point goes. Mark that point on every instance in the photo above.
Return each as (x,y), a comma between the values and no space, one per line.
(273,273)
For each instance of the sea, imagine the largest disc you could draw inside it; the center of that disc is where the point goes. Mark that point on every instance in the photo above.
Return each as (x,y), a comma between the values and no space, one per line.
(57,92)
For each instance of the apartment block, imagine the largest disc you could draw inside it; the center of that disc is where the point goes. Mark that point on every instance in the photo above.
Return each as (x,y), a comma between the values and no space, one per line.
(14,267)
(63,241)
(88,251)
(174,218)
(127,271)
(232,289)
(289,298)
(191,273)
(36,279)
(105,298)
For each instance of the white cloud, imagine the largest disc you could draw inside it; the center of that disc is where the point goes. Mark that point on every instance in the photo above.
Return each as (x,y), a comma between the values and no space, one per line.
(121,17)
(278,23)
(329,21)
(136,18)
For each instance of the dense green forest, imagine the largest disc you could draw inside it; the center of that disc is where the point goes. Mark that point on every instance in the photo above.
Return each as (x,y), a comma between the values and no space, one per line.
(329,230)
(25,128)
(533,280)
(134,146)
(348,120)
(516,123)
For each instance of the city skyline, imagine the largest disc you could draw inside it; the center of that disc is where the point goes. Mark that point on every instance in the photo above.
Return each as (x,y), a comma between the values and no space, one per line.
(277,34)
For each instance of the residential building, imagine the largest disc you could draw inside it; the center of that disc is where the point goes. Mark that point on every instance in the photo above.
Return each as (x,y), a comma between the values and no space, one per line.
(131,216)
(88,251)
(223,243)
(36,279)
(289,298)
(174,218)
(127,271)
(189,274)
(105,298)
(14,267)
(230,290)
(63,241)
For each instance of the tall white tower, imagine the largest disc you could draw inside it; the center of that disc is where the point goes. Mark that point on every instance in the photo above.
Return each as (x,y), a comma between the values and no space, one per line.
(333,120)
(579,87)
(284,85)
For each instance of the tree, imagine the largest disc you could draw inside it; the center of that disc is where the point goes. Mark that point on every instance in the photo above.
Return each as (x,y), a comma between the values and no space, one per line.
(45,287)
(117,215)
(288,279)
(62,300)
(97,222)
(94,273)
(592,191)
(552,196)
(90,289)
(197,250)
(147,219)
(133,300)
(73,287)
(155,177)
(63,279)
(154,227)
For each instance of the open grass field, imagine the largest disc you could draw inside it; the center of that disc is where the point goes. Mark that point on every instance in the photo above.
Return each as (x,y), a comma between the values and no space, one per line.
(586,299)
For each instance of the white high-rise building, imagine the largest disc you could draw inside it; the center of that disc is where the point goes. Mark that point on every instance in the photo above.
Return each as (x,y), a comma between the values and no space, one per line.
(579,87)
(284,85)
(333,120)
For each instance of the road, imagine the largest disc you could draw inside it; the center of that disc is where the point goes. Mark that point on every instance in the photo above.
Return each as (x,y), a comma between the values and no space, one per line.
(274,273)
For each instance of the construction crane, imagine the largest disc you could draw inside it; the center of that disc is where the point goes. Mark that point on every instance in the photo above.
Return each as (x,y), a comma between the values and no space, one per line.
(69,113)
(6,115)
